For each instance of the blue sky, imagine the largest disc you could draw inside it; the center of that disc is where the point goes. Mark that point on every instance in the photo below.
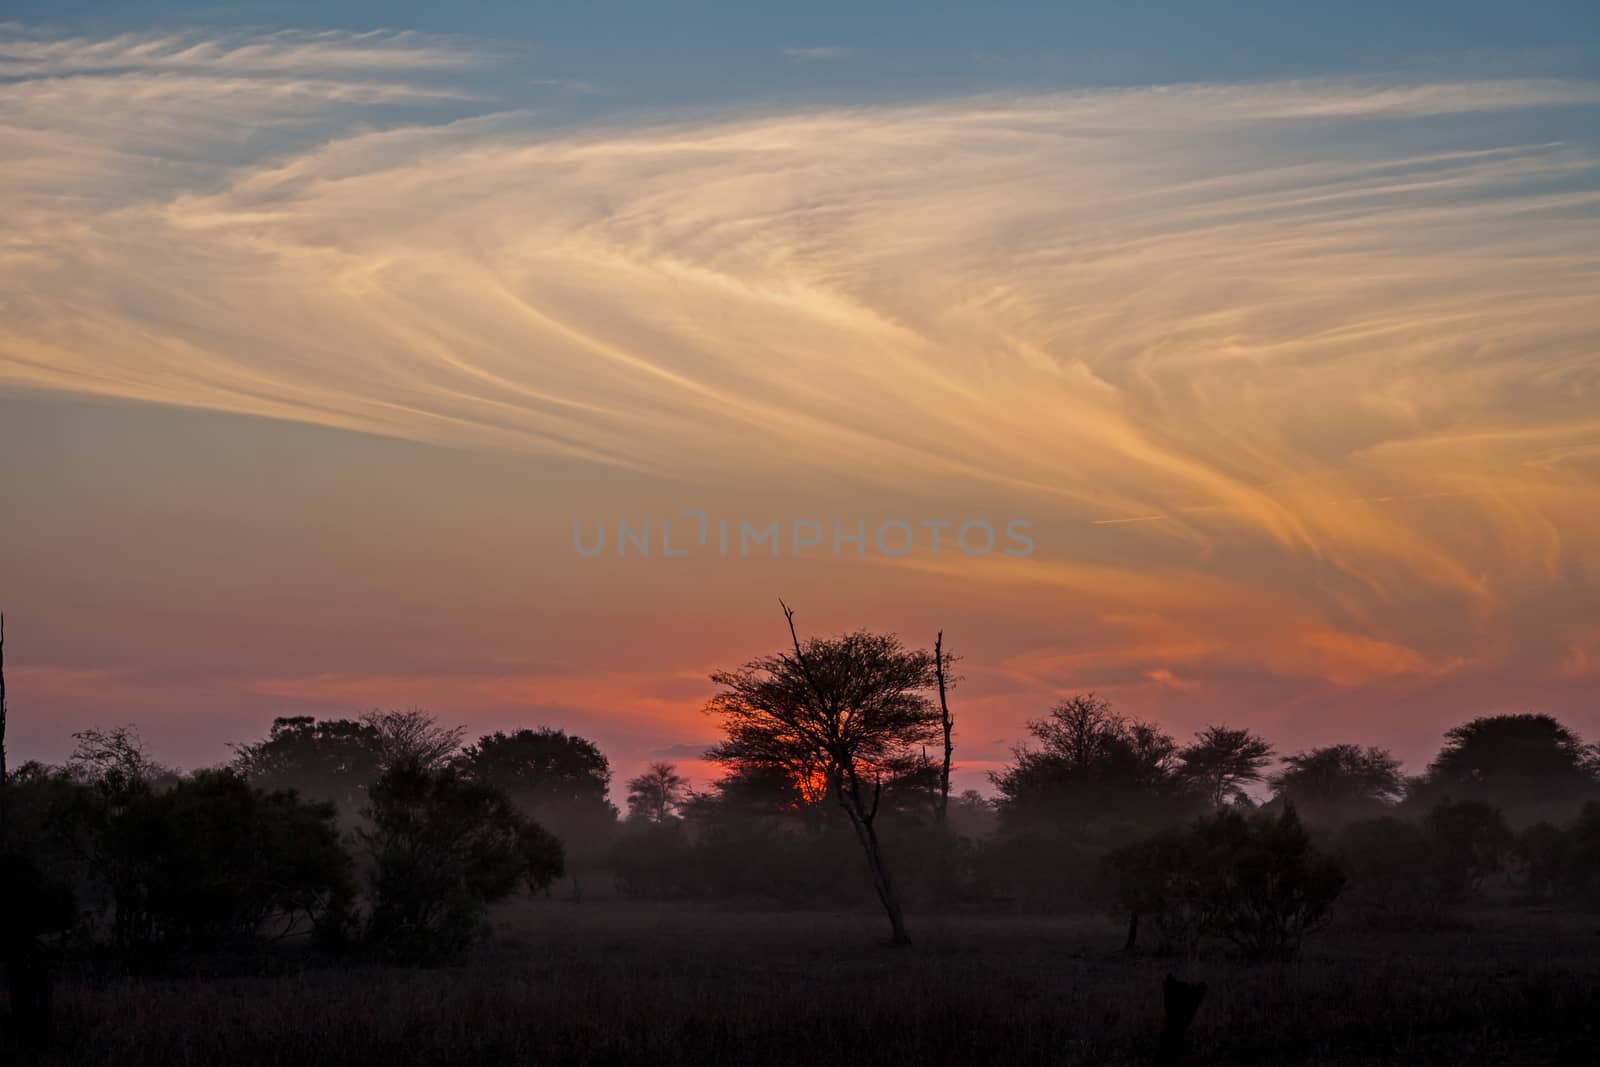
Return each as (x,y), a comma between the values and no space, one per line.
(650,53)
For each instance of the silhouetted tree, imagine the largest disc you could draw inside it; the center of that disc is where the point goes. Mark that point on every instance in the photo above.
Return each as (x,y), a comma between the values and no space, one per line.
(753,789)
(412,736)
(115,754)
(657,794)
(559,779)
(1528,766)
(757,836)
(1089,760)
(972,815)
(1221,761)
(212,860)
(1160,876)
(337,760)
(1255,880)
(333,760)
(836,715)
(1267,886)
(1340,781)
(441,848)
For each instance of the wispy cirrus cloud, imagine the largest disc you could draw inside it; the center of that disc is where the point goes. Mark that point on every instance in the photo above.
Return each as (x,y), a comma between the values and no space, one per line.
(1320,364)
(289,52)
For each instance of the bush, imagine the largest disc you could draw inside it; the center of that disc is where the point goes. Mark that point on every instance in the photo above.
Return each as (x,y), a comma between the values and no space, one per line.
(1469,841)
(1160,877)
(215,861)
(1581,866)
(1265,885)
(442,848)
(1256,881)
(1544,853)
(1390,865)
(653,860)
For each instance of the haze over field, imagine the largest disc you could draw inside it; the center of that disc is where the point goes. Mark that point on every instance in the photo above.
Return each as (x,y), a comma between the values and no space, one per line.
(315,342)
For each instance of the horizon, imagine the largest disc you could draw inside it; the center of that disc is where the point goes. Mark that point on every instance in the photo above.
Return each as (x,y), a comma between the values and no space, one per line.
(322,332)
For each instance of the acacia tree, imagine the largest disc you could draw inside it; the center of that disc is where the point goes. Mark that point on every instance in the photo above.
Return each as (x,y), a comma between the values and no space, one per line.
(1088,758)
(656,795)
(1340,780)
(1221,761)
(838,713)
(412,736)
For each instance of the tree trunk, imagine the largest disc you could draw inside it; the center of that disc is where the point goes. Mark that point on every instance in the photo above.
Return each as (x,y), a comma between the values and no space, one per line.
(862,818)
(881,882)
(1133,932)
(944,714)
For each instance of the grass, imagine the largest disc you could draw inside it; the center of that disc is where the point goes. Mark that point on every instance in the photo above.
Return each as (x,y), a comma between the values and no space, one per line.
(616,983)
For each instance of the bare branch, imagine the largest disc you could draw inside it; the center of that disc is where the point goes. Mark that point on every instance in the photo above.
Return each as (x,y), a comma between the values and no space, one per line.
(944,714)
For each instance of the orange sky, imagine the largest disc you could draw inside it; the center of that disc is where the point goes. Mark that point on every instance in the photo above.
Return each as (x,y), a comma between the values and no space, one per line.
(1297,384)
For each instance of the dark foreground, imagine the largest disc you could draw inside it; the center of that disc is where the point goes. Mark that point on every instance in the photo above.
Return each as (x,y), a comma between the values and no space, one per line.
(608,983)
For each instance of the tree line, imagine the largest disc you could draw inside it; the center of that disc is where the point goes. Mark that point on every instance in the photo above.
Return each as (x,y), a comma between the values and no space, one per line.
(390,834)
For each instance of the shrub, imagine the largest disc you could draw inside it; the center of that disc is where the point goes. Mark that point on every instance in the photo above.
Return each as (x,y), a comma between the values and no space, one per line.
(214,860)
(1160,877)
(442,848)
(1390,865)
(1469,841)
(1581,867)
(1256,881)
(1544,853)
(1264,885)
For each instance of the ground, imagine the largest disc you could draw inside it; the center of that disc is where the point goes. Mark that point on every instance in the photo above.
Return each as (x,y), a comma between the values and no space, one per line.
(615,983)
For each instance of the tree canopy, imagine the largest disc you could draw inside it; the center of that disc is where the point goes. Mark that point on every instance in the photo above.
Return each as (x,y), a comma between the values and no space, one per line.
(1526,765)
(1221,761)
(837,716)
(1340,781)
(1087,758)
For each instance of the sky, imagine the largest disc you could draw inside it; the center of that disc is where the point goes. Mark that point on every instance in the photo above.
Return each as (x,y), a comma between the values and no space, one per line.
(1243,358)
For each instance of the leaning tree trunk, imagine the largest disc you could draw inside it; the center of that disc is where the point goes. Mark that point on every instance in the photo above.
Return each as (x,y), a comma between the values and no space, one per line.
(863,818)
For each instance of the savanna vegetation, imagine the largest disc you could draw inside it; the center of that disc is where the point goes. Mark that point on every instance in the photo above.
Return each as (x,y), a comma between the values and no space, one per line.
(385,889)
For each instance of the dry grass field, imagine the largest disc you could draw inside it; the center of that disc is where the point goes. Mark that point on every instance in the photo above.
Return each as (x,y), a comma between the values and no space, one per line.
(607,982)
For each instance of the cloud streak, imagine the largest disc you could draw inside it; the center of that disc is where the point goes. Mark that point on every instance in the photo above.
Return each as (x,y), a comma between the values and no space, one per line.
(1320,351)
